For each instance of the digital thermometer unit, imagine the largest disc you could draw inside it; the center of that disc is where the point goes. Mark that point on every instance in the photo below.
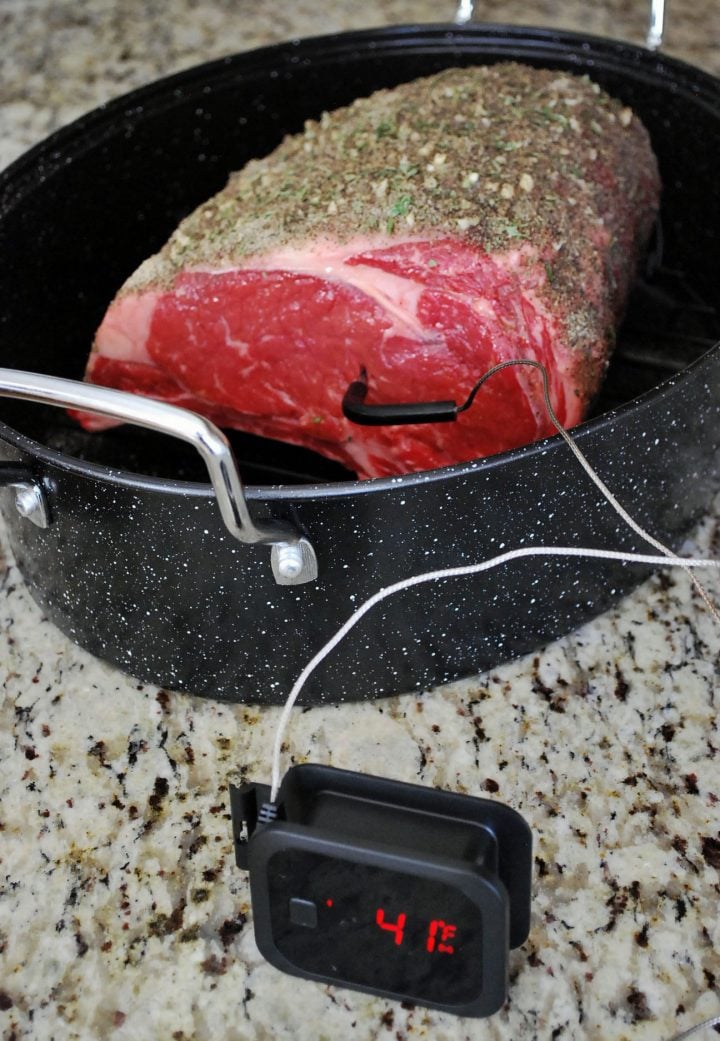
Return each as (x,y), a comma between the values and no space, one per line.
(395,889)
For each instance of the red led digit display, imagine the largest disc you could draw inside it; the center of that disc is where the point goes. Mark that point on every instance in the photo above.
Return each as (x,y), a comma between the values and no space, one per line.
(393,927)
(438,933)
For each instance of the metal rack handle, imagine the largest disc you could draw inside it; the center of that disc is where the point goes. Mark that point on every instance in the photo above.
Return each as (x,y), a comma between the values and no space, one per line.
(653,40)
(293,558)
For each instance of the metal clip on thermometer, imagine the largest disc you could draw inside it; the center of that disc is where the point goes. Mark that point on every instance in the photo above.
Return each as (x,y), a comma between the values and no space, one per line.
(395,889)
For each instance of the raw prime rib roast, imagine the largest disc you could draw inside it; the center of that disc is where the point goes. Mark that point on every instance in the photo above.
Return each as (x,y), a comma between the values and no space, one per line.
(424,234)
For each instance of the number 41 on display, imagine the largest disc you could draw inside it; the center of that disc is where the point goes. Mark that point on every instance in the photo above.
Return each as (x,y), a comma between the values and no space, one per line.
(439,932)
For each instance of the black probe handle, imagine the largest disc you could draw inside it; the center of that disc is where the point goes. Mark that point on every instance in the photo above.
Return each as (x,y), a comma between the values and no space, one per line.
(355,409)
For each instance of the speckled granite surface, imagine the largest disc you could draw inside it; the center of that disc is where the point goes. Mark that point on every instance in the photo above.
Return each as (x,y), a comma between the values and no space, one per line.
(121,913)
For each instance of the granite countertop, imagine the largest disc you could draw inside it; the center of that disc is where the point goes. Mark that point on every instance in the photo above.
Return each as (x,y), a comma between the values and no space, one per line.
(122,914)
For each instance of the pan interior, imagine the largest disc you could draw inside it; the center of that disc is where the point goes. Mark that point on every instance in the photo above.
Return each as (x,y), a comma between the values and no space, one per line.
(80,212)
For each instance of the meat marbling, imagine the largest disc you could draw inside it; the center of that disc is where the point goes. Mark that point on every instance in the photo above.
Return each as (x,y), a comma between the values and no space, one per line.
(425,234)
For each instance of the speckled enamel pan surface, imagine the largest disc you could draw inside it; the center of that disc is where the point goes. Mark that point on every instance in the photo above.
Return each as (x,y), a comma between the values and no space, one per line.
(137,566)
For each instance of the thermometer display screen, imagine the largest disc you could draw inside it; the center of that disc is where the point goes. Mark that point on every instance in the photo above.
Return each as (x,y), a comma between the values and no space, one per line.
(375,927)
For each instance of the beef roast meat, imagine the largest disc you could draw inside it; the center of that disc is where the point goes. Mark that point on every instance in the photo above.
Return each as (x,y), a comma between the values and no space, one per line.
(424,234)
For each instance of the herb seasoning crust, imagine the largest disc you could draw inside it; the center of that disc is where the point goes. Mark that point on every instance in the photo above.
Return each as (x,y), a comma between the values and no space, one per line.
(495,155)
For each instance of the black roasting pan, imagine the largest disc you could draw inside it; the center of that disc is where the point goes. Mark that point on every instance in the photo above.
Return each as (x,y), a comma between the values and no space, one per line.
(119,535)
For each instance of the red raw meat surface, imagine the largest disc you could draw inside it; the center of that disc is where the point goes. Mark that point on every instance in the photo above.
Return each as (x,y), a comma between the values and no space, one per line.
(273,351)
